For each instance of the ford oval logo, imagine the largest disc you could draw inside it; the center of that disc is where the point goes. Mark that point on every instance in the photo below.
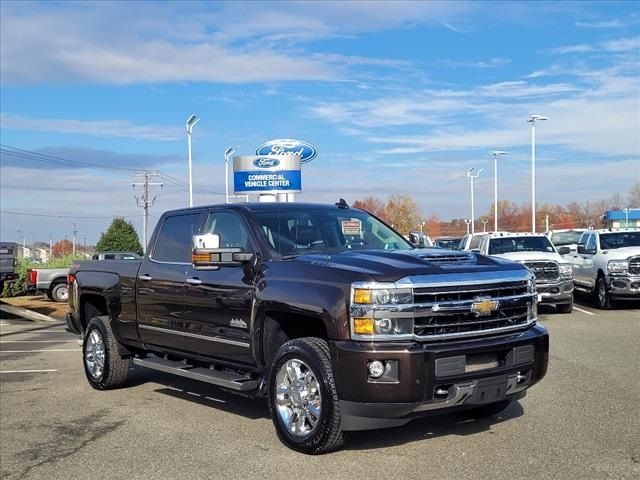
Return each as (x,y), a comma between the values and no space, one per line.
(285,146)
(266,162)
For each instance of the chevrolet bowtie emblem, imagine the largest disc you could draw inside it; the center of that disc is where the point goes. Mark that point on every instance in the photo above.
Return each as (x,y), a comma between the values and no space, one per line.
(484,306)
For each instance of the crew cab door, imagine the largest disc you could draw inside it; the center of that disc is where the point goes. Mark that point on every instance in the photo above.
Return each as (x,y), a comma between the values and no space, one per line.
(583,262)
(161,288)
(219,302)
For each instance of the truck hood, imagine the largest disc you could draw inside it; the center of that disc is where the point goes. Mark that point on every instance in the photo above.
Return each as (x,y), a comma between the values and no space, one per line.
(392,265)
(621,253)
(532,256)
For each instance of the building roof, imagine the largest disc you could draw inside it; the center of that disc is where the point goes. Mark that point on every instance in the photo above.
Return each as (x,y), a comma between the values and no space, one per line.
(634,214)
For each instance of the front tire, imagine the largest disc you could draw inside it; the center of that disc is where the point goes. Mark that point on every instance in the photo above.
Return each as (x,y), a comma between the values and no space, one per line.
(104,367)
(565,307)
(60,292)
(303,399)
(603,298)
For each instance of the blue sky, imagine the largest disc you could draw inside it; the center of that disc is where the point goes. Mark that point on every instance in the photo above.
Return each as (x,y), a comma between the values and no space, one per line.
(398,97)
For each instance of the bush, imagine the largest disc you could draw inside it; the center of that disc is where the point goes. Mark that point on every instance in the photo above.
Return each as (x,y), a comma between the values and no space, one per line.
(20,286)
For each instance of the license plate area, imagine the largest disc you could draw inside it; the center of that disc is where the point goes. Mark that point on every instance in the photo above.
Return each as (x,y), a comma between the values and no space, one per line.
(482,361)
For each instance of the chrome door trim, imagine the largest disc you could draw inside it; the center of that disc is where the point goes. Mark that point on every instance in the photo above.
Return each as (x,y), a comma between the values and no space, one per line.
(195,335)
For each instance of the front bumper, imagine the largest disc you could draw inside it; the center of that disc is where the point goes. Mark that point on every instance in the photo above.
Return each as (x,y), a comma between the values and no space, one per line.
(624,287)
(435,378)
(556,292)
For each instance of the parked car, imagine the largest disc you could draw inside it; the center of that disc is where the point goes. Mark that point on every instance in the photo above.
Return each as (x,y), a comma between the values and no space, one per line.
(50,281)
(452,243)
(8,262)
(566,238)
(607,265)
(554,274)
(324,310)
(116,256)
(471,241)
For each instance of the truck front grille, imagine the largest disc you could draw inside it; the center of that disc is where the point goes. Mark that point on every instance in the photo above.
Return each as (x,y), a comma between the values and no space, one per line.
(634,266)
(544,271)
(448,311)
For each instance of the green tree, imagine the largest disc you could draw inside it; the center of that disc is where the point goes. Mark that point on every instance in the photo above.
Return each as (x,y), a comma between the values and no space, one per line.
(119,237)
(403,212)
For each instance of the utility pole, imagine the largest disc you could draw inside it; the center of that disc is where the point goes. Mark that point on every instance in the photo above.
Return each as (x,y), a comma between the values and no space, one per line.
(75,231)
(145,202)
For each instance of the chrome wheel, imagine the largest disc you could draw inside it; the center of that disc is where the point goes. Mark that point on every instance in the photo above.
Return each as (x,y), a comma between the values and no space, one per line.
(602,294)
(94,354)
(298,398)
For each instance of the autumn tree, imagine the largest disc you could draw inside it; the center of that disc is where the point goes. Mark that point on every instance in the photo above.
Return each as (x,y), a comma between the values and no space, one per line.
(633,199)
(119,237)
(403,212)
(432,226)
(373,205)
(62,248)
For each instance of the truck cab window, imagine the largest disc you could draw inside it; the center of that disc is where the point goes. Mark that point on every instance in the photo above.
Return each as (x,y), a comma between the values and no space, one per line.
(175,240)
(230,229)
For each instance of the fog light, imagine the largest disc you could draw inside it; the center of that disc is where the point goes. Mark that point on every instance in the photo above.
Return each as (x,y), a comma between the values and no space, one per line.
(376,369)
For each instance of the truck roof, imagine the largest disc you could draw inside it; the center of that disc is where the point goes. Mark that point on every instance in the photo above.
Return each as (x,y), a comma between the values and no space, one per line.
(266,206)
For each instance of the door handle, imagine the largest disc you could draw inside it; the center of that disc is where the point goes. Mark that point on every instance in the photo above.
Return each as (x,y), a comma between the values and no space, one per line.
(193,281)
(146,278)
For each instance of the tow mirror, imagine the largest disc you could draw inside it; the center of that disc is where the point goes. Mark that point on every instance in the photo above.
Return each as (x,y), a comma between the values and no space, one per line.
(582,249)
(207,255)
(564,250)
(417,239)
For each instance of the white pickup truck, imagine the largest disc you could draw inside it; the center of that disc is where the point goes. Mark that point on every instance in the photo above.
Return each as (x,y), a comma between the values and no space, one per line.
(607,265)
(554,275)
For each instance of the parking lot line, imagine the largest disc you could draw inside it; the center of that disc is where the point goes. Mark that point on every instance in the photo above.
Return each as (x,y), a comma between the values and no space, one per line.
(27,371)
(583,311)
(48,350)
(37,341)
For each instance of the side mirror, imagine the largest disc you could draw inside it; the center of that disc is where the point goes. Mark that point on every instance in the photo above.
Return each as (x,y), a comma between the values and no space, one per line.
(582,250)
(417,239)
(564,250)
(207,255)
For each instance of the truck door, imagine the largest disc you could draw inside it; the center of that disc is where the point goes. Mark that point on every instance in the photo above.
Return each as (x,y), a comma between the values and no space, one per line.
(218,302)
(161,287)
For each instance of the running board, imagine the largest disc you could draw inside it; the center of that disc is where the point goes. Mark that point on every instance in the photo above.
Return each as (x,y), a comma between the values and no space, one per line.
(183,369)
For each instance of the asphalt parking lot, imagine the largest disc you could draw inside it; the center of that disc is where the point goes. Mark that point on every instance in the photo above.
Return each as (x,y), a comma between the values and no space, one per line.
(580,422)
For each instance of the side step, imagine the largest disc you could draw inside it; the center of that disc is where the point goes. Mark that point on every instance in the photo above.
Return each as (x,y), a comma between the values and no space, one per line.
(183,369)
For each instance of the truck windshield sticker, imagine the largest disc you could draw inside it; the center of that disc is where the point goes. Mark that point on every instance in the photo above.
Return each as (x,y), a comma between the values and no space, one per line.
(351,227)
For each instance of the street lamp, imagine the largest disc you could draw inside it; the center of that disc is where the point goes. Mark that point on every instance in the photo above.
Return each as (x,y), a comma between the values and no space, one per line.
(227,153)
(484,225)
(532,120)
(472,176)
(421,226)
(495,154)
(467,221)
(191,121)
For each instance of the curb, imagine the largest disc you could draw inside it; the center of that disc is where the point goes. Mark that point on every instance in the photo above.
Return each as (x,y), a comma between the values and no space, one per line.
(27,314)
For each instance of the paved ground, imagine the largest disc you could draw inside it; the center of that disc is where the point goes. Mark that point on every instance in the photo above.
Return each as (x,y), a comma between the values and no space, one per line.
(581,422)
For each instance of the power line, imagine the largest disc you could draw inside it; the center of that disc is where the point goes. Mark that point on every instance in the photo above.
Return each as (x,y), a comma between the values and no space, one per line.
(64,216)
(145,203)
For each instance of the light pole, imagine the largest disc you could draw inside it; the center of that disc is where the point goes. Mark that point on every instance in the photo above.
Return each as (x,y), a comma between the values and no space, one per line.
(626,217)
(227,153)
(421,226)
(191,121)
(484,225)
(532,120)
(473,176)
(467,221)
(495,154)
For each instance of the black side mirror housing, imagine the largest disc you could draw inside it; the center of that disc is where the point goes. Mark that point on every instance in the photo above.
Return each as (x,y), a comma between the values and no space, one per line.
(214,258)
(564,250)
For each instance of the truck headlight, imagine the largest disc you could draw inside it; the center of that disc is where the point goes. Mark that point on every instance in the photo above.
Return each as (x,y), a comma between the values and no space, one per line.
(381,312)
(566,270)
(617,267)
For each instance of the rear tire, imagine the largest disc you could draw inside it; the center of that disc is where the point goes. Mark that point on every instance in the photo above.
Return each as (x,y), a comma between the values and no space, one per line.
(486,410)
(59,292)
(303,399)
(565,307)
(104,367)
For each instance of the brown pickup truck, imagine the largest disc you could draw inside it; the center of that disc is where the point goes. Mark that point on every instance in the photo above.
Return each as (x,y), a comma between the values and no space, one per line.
(330,314)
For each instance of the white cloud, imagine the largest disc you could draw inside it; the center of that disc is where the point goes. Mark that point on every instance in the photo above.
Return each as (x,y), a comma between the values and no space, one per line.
(98,128)
(621,45)
(600,24)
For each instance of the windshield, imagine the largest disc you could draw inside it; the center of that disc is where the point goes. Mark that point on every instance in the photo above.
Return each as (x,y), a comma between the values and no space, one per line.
(520,244)
(295,232)
(566,238)
(451,243)
(611,241)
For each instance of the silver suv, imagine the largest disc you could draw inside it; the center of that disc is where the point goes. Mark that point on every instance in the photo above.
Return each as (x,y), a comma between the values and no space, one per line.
(554,275)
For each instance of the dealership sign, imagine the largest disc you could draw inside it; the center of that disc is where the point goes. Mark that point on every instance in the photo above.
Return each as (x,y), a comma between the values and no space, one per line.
(267,174)
(288,146)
